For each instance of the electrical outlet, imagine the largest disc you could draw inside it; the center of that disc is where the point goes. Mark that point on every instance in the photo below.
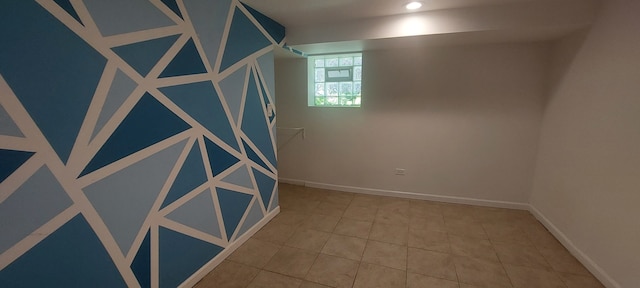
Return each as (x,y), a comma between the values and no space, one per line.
(400,171)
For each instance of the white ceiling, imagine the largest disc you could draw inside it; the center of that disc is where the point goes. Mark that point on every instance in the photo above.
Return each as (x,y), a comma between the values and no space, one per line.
(328,26)
(308,12)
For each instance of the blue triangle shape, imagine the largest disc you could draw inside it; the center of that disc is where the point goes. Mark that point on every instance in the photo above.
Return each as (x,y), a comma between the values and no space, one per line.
(38,200)
(219,159)
(141,265)
(244,39)
(186,62)
(198,213)
(265,186)
(232,88)
(7,126)
(253,156)
(11,161)
(71,256)
(254,123)
(120,90)
(173,6)
(276,200)
(267,66)
(66,67)
(149,122)
(115,17)
(191,175)
(181,256)
(124,199)
(142,56)
(254,216)
(275,29)
(209,20)
(239,177)
(66,5)
(200,100)
(232,205)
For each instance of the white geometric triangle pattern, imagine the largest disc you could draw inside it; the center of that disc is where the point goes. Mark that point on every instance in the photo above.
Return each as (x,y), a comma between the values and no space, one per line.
(123,76)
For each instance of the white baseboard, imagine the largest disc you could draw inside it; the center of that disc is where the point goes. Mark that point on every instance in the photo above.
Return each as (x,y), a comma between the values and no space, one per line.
(594,268)
(409,195)
(292,181)
(191,281)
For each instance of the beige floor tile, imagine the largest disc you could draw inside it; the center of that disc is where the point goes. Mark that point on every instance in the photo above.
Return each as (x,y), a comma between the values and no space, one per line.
(531,255)
(366,201)
(291,261)
(333,271)
(429,240)
(360,213)
(375,276)
(562,261)
(540,237)
(420,281)
(311,240)
(464,285)
(355,228)
(309,284)
(255,253)
(473,247)
(290,218)
(312,194)
(527,277)
(330,209)
(395,204)
(341,198)
(419,208)
(229,274)
(432,223)
(520,255)
(580,281)
(460,212)
(320,222)
(392,217)
(481,272)
(268,279)
(395,234)
(506,233)
(429,263)
(464,228)
(275,233)
(385,254)
(345,246)
(298,205)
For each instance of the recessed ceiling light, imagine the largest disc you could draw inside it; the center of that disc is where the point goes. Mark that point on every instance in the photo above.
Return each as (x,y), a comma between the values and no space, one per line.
(413,5)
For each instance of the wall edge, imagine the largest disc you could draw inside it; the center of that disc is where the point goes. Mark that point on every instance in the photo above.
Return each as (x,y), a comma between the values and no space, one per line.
(207,268)
(591,265)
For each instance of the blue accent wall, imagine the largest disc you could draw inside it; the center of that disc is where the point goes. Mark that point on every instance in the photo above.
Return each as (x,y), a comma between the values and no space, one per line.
(123,155)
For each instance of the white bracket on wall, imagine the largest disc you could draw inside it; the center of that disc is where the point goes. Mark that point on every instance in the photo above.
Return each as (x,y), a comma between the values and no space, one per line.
(270,110)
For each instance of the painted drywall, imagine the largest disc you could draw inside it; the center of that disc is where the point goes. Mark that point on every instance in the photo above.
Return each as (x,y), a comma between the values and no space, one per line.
(586,181)
(135,144)
(463,121)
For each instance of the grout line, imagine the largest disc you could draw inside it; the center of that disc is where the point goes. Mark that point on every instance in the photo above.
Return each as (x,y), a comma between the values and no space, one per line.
(491,241)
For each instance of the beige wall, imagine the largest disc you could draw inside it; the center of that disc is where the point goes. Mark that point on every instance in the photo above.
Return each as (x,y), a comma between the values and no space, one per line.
(463,122)
(587,181)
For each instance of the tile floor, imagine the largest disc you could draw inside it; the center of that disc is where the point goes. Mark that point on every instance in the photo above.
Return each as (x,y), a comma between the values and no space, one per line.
(326,238)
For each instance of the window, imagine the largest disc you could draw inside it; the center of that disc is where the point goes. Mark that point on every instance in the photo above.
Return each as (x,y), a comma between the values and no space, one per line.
(335,80)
